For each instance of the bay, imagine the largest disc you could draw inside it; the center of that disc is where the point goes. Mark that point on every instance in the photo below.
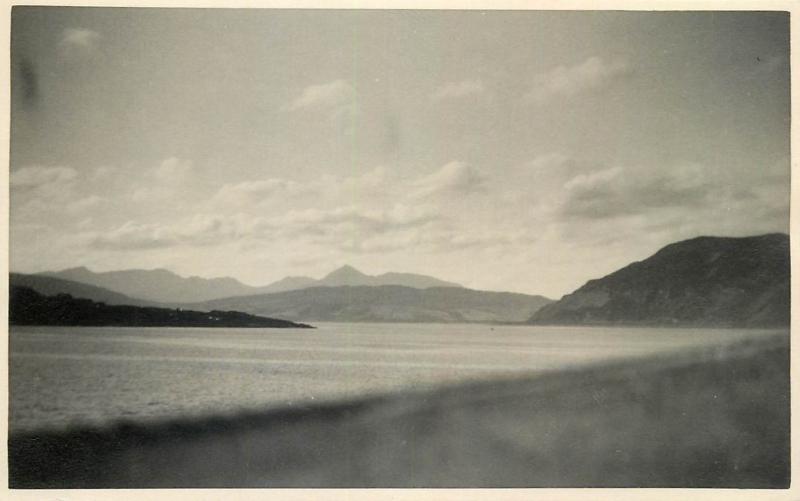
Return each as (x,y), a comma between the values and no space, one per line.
(68,376)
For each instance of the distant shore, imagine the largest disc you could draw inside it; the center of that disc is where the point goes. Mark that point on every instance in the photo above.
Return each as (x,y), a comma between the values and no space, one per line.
(712,417)
(28,307)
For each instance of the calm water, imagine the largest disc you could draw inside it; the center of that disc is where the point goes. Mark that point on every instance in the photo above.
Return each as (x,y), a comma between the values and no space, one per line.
(64,375)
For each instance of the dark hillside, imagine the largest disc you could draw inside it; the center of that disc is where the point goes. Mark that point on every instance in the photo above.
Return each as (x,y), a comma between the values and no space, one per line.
(709,281)
(28,307)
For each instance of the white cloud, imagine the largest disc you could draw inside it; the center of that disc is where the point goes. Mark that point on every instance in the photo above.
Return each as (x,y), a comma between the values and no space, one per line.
(568,81)
(593,180)
(79,38)
(250,194)
(326,228)
(39,193)
(199,230)
(376,185)
(548,161)
(172,170)
(132,236)
(165,182)
(452,178)
(456,90)
(671,203)
(620,192)
(317,221)
(36,176)
(332,94)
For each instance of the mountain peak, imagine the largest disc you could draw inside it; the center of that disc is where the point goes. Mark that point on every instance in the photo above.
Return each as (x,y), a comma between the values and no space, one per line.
(345,271)
(76,269)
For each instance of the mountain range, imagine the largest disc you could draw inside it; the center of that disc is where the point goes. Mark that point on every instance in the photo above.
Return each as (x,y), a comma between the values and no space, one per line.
(705,281)
(348,303)
(386,303)
(164,286)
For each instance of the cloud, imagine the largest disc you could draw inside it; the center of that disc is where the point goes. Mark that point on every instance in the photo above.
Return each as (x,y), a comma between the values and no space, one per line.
(133,236)
(39,192)
(165,182)
(79,39)
(616,192)
(453,178)
(199,230)
(330,228)
(549,161)
(172,170)
(351,228)
(436,236)
(253,193)
(90,203)
(456,90)
(568,81)
(593,181)
(352,219)
(678,201)
(103,174)
(37,176)
(329,95)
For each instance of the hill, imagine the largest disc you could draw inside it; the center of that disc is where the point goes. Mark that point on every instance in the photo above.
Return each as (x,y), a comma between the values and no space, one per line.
(387,303)
(285,284)
(347,275)
(705,281)
(28,307)
(50,286)
(161,286)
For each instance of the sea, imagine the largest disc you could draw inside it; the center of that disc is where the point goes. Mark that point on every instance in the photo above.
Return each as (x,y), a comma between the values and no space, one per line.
(63,377)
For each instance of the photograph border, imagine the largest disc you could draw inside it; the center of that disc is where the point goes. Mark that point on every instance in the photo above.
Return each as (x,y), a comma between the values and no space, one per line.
(793,493)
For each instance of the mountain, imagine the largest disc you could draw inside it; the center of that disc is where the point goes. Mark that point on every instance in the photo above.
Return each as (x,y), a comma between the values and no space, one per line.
(347,275)
(285,284)
(386,303)
(164,286)
(705,281)
(158,285)
(379,303)
(50,286)
(28,307)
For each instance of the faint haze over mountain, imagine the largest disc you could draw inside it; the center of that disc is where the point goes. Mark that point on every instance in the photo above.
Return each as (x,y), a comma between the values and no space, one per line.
(504,150)
(164,286)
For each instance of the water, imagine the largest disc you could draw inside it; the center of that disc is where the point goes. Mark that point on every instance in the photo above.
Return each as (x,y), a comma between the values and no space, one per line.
(63,376)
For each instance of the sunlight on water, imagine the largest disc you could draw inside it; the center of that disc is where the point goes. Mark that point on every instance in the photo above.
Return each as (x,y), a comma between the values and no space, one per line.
(61,375)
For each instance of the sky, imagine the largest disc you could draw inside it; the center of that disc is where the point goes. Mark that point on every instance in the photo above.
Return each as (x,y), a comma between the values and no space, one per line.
(505,150)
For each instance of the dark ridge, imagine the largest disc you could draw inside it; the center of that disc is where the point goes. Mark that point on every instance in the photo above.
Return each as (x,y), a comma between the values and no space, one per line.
(704,281)
(28,307)
(51,286)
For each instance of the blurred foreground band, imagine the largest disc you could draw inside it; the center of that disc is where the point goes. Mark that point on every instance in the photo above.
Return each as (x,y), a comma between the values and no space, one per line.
(715,417)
